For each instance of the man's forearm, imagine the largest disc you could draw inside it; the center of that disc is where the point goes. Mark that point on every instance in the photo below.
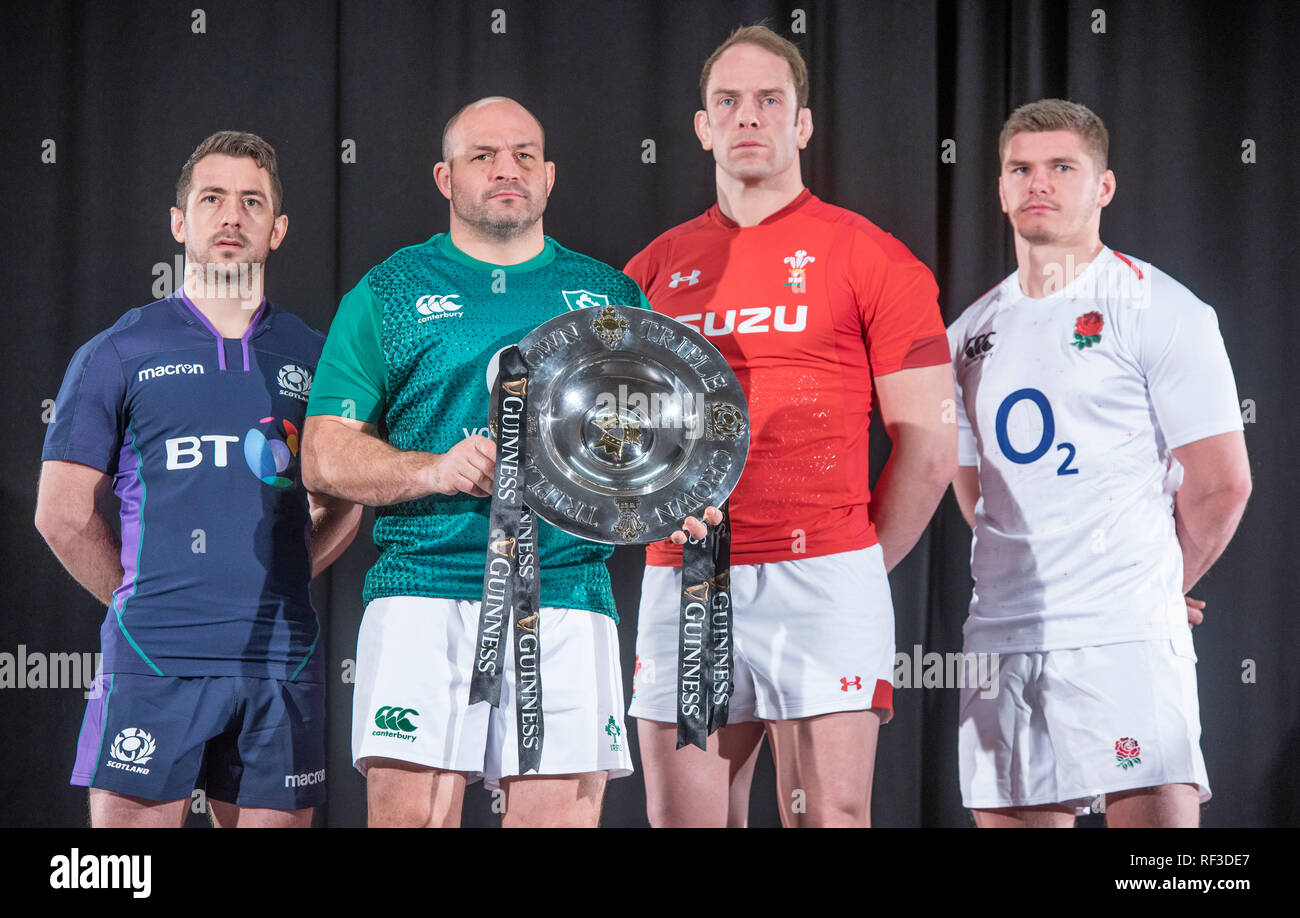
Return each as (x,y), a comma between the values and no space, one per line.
(919,470)
(358,467)
(333,526)
(91,554)
(1205,524)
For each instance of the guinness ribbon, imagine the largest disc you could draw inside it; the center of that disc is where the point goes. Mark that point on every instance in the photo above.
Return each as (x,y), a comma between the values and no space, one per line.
(704,680)
(511,587)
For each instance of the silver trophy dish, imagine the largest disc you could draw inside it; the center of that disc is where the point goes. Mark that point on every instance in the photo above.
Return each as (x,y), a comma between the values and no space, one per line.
(635,422)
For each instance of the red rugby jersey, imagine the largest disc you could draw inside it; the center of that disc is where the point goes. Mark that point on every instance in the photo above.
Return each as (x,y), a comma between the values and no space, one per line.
(807,307)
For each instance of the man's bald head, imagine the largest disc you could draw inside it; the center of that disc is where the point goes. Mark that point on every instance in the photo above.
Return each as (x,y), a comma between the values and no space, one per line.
(448,138)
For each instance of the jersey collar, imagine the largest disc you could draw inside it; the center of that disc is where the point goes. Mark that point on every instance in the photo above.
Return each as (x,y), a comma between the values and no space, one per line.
(193,315)
(1012,293)
(442,242)
(800,200)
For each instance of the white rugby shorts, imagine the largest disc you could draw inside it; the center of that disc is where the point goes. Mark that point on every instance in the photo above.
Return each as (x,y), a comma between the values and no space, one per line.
(415,658)
(1068,726)
(810,636)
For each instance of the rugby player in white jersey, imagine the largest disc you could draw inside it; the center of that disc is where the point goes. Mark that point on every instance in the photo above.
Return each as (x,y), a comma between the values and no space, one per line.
(1103,469)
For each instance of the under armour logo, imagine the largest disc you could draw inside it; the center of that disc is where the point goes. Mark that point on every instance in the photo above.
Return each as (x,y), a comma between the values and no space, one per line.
(690,280)
(845,682)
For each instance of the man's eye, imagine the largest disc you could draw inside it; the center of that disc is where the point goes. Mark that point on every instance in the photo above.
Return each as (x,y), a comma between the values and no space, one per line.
(772,99)
(525,155)
(1063,167)
(251,202)
(726,102)
(210,199)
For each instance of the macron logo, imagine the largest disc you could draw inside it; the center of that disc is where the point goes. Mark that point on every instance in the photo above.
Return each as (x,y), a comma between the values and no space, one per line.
(171,369)
(304,780)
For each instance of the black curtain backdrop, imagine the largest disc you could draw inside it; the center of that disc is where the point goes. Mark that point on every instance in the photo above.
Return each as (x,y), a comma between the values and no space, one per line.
(124,92)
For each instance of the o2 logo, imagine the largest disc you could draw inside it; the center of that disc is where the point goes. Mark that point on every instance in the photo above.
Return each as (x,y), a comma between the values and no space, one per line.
(268,457)
(1044,442)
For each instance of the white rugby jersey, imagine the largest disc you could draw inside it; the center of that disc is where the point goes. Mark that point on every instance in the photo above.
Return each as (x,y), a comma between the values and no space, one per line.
(1070,406)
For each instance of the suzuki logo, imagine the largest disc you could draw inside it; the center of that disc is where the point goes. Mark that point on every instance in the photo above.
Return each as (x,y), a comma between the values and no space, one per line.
(753,320)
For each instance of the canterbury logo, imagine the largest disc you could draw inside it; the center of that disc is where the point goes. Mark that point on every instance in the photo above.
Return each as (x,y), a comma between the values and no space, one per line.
(529,623)
(845,682)
(517,387)
(396,718)
(698,591)
(438,303)
(978,346)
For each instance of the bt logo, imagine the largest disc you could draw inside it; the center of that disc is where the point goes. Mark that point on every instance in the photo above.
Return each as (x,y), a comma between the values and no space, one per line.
(267,456)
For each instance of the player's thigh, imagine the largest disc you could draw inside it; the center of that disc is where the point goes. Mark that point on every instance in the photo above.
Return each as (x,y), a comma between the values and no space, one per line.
(110,810)
(693,787)
(1166,806)
(1049,816)
(824,767)
(404,794)
(272,757)
(232,816)
(817,636)
(553,801)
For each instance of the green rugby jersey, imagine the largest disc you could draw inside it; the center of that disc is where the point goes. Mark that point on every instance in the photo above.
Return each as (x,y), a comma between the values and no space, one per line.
(408,351)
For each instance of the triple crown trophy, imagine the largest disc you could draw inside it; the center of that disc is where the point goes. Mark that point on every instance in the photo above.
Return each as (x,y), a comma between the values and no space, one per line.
(613,424)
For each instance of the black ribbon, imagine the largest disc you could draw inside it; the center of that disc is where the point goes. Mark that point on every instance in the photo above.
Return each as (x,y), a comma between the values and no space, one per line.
(511,586)
(704,635)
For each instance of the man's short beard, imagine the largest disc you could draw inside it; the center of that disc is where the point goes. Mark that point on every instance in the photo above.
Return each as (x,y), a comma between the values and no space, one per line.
(502,227)
(220,278)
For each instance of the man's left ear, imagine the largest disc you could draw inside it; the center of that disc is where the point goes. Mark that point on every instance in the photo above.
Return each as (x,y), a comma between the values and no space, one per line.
(1107,191)
(278,230)
(550,178)
(805,127)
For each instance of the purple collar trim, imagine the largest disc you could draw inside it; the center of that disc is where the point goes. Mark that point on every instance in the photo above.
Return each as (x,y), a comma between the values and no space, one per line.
(221,343)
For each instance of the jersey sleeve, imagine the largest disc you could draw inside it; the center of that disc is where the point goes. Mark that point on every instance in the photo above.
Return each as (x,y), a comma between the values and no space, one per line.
(643,267)
(967,451)
(1189,378)
(899,300)
(87,423)
(351,377)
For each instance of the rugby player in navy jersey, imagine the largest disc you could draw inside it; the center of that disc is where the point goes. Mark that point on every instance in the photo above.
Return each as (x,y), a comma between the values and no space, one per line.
(191,410)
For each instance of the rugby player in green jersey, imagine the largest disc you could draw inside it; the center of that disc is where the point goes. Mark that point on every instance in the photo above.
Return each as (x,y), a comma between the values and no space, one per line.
(396,421)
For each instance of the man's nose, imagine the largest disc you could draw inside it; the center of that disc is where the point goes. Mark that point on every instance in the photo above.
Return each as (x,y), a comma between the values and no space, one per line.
(748,112)
(231,211)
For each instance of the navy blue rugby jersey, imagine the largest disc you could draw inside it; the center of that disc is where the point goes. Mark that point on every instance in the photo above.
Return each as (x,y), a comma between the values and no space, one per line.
(201,437)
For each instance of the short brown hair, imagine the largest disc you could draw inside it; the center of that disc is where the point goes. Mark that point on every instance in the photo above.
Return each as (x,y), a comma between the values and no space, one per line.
(1059,115)
(233,143)
(768,40)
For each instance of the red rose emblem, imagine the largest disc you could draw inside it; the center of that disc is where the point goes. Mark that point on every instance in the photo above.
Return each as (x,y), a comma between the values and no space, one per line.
(1127,748)
(1088,324)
